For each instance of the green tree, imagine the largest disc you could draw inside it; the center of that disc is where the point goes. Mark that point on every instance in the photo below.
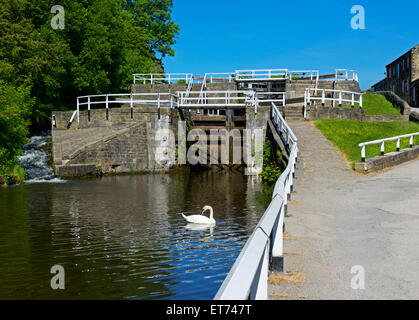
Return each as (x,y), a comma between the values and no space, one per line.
(15,104)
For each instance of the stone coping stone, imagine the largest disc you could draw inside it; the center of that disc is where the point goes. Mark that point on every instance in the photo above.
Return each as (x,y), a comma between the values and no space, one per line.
(390,159)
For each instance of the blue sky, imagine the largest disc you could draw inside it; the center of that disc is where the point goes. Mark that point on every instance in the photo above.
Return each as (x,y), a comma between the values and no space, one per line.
(222,36)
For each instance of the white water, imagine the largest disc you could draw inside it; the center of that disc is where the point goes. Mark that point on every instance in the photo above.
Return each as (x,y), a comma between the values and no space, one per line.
(35,161)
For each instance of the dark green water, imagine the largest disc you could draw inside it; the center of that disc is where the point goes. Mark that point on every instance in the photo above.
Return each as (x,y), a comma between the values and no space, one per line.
(121,237)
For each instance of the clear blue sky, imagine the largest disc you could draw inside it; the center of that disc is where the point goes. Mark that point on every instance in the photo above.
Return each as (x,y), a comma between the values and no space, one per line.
(222,36)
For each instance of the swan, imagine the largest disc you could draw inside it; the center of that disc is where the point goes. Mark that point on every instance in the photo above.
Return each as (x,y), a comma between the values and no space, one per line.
(200,218)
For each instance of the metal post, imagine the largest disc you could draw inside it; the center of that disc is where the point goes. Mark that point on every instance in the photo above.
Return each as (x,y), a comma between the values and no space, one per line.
(323,98)
(363,153)
(132,105)
(305,104)
(382,148)
(340,98)
(398,144)
(158,106)
(107,108)
(360,101)
(411,141)
(278,242)
(88,109)
(78,113)
(353,100)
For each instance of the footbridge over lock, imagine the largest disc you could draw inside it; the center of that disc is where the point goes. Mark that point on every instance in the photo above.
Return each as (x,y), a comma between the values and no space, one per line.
(116,133)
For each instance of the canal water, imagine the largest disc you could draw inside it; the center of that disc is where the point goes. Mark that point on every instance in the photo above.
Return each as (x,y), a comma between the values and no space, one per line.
(121,237)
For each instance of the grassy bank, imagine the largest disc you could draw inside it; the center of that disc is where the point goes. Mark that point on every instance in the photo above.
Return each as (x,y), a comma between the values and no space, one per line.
(346,135)
(376,104)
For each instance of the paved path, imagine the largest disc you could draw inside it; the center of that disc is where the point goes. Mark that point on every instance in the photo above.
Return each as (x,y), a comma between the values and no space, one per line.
(341,219)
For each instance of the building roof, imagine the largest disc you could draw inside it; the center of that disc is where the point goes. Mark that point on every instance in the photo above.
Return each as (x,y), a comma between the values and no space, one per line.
(416,46)
(381,82)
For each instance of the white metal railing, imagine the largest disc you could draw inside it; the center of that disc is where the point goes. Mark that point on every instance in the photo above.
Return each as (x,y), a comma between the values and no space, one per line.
(382,142)
(217,76)
(267,97)
(346,74)
(305,74)
(240,98)
(330,95)
(106,100)
(261,75)
(162,77)
(248,278)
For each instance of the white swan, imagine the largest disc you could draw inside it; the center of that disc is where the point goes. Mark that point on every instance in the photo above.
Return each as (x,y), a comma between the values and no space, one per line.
(200,218)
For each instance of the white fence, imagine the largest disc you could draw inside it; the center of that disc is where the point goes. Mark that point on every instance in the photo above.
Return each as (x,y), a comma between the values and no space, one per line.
(248,278)
(106,100)
(208,99)
(382,142)
(153,78)
(261,75)
(277,97)
(346,74)
(339,96)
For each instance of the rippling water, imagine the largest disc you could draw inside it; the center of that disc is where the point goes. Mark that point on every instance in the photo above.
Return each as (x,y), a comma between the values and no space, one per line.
(122,237)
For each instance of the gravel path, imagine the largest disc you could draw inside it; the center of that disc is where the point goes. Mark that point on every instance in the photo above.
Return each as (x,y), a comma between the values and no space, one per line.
(340,219)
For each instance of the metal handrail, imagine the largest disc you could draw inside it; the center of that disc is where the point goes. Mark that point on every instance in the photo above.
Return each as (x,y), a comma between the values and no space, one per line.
(340,98)
(281,100)
(161,77)
(248,278)
(157,99)
(382,142)
(346,74)
(224,98)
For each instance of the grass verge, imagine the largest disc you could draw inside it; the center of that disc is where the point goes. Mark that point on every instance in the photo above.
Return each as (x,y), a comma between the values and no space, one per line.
(346,135)
(376,104)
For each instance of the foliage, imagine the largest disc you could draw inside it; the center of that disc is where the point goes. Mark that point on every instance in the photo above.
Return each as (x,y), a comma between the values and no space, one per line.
(102,44)
(271,170)
(347,135)
(15,104)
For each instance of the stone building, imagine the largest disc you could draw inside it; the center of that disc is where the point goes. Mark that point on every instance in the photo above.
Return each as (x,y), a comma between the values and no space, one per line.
(403,76)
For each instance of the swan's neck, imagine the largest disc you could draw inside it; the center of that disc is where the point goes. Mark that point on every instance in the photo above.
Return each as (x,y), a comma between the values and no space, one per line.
(211,213)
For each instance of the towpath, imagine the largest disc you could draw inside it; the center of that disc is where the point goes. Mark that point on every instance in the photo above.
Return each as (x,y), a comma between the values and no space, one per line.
(340,219)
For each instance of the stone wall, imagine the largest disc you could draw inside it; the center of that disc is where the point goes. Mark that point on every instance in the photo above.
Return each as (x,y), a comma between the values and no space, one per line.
(388,160)
(120,144)
(396,101)
(319,112)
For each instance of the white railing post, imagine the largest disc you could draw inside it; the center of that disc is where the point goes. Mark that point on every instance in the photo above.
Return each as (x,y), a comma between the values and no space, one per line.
(360,101)
(323,98)
(305,104)
(353,100)
(107,108)
(398,145)
(363,153)
(78,113)
(88,109)
(382,148)
(260,289)
(131,106)
(411,141)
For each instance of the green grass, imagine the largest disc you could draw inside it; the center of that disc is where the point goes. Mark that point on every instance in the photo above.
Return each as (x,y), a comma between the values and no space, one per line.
(376,104)
(346,135)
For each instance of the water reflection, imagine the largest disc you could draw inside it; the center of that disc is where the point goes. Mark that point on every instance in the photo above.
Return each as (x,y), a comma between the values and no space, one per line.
(122,237)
